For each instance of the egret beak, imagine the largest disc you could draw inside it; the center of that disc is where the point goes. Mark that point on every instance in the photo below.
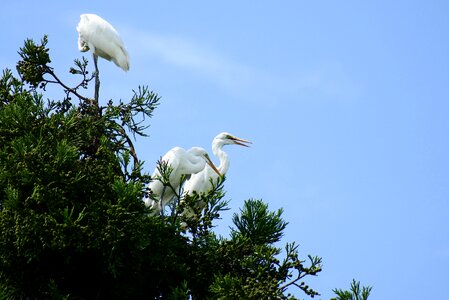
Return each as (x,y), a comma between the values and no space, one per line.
(240,142)
(211,164)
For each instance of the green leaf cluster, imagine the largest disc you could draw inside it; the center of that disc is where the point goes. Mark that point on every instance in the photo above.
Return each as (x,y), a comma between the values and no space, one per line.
(251,267)
(354,293)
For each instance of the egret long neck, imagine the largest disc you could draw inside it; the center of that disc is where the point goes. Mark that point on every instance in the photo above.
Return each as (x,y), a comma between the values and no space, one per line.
(217,149)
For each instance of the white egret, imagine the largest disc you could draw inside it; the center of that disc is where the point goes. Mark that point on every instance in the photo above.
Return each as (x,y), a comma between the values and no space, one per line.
(201,181)
(181,162)
(98,36)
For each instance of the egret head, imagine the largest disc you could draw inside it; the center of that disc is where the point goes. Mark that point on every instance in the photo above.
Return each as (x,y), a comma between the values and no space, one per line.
(228,139)
(82,45)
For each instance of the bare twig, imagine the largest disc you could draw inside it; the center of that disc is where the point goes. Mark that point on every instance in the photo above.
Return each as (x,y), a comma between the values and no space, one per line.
(73,91)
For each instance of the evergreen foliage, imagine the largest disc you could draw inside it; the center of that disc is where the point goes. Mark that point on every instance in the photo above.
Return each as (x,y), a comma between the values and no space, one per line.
(354,293)
(72,221)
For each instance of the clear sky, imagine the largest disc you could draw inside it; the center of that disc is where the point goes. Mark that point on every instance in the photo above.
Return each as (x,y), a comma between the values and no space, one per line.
(346,103)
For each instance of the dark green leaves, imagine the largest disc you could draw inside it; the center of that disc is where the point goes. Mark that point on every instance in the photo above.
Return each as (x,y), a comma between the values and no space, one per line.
(258,224)
(354,293)
(33,65)
(72,220)
(251,267)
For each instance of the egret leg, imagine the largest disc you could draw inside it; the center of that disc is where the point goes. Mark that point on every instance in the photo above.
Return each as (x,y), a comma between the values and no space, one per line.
(97,79)
(161,206)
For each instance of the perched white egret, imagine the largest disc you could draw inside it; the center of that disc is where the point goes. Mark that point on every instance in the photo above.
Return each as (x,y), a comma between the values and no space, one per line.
(181,162)
(201,181)
(98,36)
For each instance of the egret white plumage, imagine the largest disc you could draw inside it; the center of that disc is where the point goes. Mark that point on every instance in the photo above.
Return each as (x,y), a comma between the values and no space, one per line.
(201,181)
(181,162)
(98,36)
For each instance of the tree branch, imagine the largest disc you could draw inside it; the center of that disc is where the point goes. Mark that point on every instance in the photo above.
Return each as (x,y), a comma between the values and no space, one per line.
(71,90)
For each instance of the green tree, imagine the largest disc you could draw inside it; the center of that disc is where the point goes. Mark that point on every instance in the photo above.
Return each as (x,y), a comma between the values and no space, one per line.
(354,293)
(72,221)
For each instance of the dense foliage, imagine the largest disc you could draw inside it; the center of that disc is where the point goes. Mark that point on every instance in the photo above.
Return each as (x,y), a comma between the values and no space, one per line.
(72,221)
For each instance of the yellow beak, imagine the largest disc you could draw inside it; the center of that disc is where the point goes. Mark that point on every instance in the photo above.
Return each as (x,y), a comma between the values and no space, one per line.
(239,141)
(211,164)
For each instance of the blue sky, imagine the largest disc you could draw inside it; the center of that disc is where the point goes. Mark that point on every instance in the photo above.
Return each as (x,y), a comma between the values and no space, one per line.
(346,104)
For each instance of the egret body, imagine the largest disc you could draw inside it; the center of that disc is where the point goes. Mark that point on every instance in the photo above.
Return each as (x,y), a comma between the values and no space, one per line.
(98,36)
(181,162)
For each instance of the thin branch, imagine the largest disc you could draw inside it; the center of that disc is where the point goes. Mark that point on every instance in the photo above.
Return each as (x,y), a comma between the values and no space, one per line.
(132,150)
(73,91)
(293,282)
